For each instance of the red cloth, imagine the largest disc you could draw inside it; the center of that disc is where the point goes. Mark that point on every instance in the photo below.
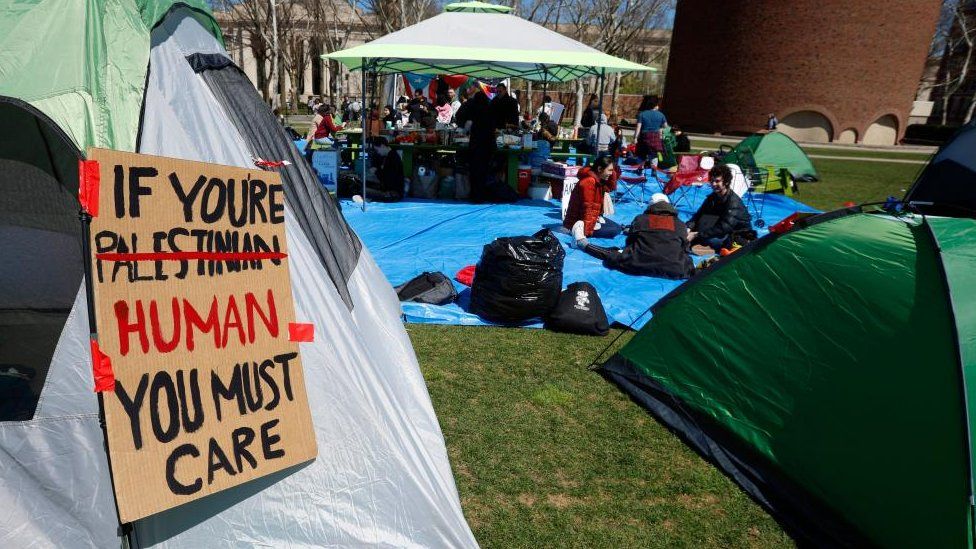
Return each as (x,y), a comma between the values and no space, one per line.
(586,201)
(326,127)
(653,141)
(465,275)
(689,173)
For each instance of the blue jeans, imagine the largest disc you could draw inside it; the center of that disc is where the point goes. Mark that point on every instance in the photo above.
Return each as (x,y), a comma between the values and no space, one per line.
(608,229)
(716,242)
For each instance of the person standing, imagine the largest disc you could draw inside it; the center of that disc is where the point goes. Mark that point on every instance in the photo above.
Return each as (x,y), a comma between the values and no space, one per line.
(504,109)
(455,102)
(650,122)
(590,114)
(475,116)
(772,122)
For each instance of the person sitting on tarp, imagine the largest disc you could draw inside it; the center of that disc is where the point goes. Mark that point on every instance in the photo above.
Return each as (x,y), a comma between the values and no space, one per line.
(383,184)
(584,214)
(657,244)
(722,219)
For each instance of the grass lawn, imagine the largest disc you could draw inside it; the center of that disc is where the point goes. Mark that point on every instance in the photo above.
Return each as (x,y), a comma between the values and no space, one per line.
(548,454)
(705,144)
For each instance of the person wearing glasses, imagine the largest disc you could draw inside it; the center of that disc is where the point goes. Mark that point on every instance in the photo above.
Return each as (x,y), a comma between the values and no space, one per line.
(722,219)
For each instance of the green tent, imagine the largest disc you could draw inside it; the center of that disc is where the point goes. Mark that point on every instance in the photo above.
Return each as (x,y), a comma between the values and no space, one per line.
(826,371)
(775,149)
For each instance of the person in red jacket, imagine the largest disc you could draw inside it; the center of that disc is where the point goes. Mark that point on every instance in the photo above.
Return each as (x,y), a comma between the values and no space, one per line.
(323,126)
(584,214)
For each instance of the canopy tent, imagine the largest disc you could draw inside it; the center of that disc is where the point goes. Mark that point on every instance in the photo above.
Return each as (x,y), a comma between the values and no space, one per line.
(483,41)
(454,43)
(828,371)
(776,149)
(947,185)
(153,77)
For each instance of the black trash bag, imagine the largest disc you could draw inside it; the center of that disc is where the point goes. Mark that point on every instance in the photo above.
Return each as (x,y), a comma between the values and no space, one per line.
(579,311)
(433,288)
(518,278)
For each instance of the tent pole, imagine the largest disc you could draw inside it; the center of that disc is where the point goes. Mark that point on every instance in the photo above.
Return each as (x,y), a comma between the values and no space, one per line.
(599,120)
(362,116)
(125,528)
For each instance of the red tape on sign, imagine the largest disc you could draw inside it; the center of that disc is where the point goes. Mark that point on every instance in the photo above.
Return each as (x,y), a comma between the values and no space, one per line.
(301,332)
(88,181)
(102,369)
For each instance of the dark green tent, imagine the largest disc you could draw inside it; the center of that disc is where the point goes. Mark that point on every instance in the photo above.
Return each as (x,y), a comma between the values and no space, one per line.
(826,370)
(778,150)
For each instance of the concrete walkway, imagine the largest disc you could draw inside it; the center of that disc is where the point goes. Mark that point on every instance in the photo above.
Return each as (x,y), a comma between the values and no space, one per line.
(869,159)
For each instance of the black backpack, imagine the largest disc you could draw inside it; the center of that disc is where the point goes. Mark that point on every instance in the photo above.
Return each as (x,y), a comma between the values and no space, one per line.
(579,311)
(433,288)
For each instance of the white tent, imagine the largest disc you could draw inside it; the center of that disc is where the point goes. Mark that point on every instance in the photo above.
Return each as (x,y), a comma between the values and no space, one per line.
(153,77)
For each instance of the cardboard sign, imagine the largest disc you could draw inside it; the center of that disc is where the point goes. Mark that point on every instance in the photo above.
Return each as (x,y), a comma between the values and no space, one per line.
(193,306)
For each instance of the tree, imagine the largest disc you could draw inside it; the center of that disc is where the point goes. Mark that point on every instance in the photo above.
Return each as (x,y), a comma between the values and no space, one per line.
(616,27)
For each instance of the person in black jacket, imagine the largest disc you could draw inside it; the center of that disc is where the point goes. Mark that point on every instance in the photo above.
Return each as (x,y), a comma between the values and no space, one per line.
(504,109)
(383,184)
(657,244)
(722,218)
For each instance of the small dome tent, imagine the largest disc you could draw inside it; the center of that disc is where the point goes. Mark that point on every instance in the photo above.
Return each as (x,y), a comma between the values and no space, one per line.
(776,149)
(153,77)
(828,372)
(947,185)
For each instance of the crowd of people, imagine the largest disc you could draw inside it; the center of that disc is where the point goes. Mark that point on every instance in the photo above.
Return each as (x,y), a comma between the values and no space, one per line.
(657,243)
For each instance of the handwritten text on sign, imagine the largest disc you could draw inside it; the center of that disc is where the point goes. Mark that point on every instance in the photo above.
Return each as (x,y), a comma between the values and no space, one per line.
(193,302)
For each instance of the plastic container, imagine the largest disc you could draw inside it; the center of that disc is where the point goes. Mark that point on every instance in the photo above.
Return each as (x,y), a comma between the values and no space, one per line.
(524,179)
(571,161)
(539,192)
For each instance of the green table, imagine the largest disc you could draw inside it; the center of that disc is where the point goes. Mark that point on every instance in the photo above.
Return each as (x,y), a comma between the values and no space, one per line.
(511,157)
(583,159)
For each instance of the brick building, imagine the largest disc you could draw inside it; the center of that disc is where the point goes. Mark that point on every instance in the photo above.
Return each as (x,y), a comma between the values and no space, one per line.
(831,70)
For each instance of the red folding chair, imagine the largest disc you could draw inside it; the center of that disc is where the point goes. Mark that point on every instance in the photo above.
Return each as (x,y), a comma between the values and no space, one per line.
(692,172)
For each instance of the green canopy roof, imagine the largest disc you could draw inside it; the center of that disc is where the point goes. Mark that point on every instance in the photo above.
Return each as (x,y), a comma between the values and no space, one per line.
(481,40)
(478,7)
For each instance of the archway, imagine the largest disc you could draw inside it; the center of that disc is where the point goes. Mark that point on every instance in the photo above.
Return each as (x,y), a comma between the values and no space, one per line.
(883,131)
(848,136)
(808,126)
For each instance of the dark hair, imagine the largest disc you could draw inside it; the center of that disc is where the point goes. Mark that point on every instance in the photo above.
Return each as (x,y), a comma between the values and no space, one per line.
(592,97)
(543,117)
(546,99)
(324,109)
(602,162)
(723,171)
(379,140)
(648,102)
(501,85)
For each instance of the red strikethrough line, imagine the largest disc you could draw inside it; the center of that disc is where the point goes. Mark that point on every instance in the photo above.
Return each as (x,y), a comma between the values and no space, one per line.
(182,256)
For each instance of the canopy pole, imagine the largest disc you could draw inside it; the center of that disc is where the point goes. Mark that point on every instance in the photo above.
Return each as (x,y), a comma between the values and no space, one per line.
(545,83)
(362,117)
(599,120)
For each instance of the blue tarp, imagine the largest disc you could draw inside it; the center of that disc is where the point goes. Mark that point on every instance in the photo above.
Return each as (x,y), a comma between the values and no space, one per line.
(413,236)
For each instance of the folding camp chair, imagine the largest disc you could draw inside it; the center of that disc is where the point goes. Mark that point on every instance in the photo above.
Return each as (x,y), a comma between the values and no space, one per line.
(692,172)
(757,178)
(632,180)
